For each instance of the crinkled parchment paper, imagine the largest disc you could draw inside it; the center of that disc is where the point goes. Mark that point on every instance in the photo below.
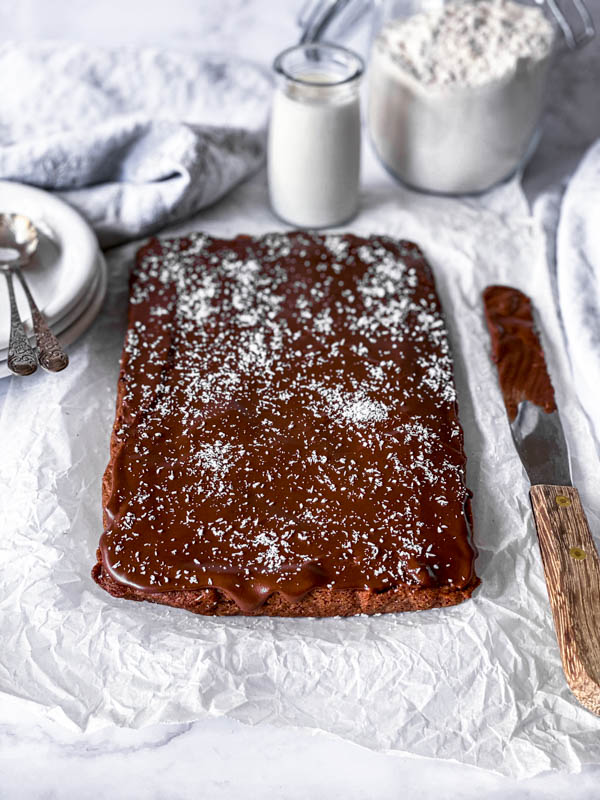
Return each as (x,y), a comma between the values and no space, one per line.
(480,683)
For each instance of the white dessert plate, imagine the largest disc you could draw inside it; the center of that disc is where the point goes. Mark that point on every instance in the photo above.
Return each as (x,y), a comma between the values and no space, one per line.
(80,321)
(65,265)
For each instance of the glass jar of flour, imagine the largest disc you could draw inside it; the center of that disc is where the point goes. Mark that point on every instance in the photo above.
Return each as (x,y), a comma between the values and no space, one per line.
(456,88)
(314,135)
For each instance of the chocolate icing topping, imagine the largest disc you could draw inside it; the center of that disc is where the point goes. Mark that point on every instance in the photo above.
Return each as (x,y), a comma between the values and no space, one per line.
(287,420)
(516,349)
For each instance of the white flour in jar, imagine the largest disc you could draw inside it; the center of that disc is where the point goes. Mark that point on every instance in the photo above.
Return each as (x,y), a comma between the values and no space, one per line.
(456,94)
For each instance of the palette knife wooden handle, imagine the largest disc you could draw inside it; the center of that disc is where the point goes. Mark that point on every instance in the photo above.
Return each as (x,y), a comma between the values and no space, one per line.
(572,571)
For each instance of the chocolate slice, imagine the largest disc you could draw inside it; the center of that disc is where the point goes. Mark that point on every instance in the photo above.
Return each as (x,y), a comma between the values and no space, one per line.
(286,438)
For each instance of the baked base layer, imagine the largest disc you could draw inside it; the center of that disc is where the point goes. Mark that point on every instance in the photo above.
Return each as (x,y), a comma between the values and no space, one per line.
(317,603)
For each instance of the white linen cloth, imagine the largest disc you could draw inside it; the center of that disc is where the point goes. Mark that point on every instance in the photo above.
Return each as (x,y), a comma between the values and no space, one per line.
(480,683)
(135,139)
(578,280)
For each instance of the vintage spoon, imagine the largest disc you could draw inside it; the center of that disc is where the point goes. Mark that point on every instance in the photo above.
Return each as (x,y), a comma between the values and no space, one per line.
(19,236)
(22,359)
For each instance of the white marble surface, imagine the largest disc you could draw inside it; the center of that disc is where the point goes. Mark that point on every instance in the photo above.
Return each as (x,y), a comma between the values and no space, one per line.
(39,757)
(222,760)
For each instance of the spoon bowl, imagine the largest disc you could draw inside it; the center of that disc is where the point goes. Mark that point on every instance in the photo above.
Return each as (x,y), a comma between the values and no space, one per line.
(19,240)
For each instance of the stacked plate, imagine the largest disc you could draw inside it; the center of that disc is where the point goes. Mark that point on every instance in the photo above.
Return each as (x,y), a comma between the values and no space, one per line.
(67,275)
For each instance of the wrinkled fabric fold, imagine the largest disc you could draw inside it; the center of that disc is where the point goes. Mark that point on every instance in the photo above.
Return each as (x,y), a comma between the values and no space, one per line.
(578,279)
(135,139)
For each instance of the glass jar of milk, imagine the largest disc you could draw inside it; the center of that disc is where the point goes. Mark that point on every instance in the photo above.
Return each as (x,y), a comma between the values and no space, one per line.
(314,135)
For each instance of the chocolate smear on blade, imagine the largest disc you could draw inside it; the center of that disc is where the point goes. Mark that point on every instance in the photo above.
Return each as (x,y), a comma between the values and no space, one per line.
(516,349)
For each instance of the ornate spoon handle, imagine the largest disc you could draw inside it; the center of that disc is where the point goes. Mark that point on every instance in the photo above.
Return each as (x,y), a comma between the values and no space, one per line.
(50,353)
(21,356)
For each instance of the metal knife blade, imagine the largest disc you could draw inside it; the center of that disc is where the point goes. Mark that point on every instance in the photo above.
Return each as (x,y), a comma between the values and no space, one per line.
(540,442)
(526,387)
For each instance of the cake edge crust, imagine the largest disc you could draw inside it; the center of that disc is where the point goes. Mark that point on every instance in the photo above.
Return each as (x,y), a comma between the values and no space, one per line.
(319,602)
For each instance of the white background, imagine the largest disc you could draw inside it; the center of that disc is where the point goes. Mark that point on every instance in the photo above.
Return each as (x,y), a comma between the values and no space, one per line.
(216,758)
